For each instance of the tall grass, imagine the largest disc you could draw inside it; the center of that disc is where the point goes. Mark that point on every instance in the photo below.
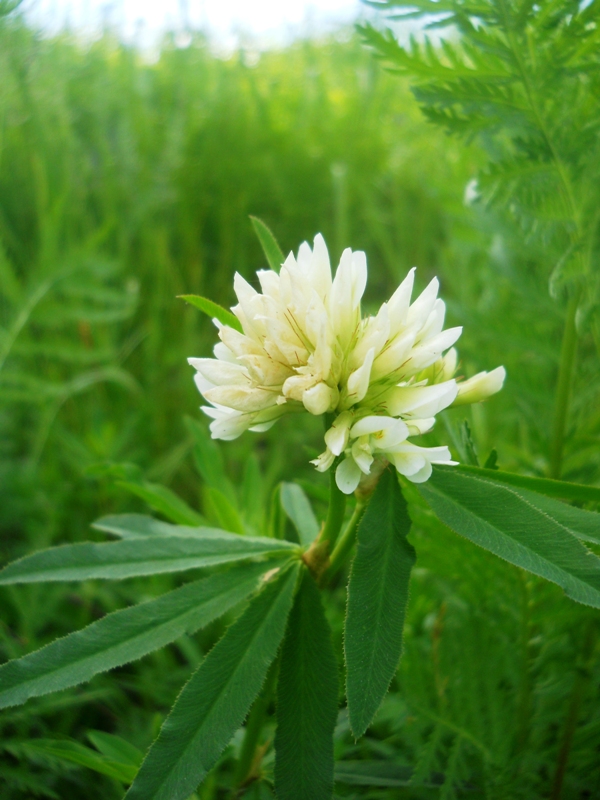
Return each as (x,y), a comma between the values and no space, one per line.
(124,183)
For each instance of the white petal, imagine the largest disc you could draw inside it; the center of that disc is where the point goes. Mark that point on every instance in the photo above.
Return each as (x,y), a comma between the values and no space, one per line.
(400,301)
(420,401)
(324,461)
(241,398)
(423,305)
(320,399)
(358,382)
(222,373)
(337,436)
(347,476)
(422,475)
(480,386)
(372,424)
(362,455)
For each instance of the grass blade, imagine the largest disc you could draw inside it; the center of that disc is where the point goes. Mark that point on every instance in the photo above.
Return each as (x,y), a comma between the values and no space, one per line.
(307,693)
(150,556)
(215,701)
(377,598)
(126,635)
(546,486)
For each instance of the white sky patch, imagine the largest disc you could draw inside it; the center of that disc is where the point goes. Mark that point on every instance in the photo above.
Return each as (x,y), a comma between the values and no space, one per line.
(229,22)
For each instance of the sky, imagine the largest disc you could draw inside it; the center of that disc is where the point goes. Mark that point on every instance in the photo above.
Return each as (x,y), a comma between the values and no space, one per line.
(229,21)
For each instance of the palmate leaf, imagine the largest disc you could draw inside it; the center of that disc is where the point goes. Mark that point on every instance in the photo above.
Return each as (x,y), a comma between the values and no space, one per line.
(213,704)
(377,598)
(126,635)
(500,519)
(150,556)
(306,702)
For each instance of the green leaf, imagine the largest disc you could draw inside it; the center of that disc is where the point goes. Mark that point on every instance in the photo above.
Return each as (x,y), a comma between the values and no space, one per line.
(307,694)
(208,459)
(151,556)
(139,526)
(215,701)
(164,501)
(377,598)
(298,508)
(547,486)
(268,243)
(116,748)
(373,773)
(76,753)
(495,517)
(126,635)
(225,513)
(213,310)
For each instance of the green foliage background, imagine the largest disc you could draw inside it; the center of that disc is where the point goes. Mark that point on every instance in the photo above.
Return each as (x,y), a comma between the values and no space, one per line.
(125,182)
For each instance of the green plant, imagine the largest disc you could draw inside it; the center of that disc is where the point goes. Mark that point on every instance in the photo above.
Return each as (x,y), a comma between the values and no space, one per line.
(281,641)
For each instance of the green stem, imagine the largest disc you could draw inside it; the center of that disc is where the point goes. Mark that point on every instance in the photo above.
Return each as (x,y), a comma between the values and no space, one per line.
(563,388)
(335,514)
(244,768)
(344,544)
(582,678)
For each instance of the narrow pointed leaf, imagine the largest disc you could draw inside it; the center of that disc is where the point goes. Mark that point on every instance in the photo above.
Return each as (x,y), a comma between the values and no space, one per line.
(150,556)
(546,486)
(215,701)
(213,310)
(166,502)
(140,526)
(126,635)
(269,244)
(377,598)
(307,694)
(497,518)
(298,508)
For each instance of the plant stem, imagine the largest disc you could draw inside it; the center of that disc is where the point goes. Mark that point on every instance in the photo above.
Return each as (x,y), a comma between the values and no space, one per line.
(335,514)
(344,544)
(584,674)
(245,765)
(563,388)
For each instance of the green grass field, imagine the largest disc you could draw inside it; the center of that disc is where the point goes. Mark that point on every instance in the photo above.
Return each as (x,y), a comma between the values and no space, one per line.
(125,183)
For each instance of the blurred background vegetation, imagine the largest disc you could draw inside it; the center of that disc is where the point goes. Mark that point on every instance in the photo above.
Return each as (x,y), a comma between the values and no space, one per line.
(125,181)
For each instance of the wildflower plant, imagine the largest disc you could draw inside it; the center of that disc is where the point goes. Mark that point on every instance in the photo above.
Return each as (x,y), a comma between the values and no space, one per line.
(302,345)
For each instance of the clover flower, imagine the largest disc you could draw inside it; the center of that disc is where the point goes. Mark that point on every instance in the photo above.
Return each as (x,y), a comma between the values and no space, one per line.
(305,347)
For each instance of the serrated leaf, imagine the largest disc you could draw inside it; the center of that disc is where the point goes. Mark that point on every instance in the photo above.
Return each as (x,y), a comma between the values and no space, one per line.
(126,635)
(151,556)
(298,508)
(139,526)
(213,310)
(547,486)
(271,249)
(307,693)
(377,598)
(495,517)
(215,701)
(163,500)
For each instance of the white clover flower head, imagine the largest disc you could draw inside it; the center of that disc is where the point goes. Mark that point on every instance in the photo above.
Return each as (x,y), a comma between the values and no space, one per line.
(306,347)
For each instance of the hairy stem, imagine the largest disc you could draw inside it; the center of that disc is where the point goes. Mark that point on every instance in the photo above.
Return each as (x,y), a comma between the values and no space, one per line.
(335,514)
(563,387)
(344,545)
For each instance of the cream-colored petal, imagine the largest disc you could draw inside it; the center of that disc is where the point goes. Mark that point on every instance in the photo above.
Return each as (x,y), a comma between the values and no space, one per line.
(347,476)
(480,386)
